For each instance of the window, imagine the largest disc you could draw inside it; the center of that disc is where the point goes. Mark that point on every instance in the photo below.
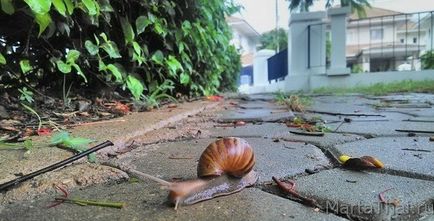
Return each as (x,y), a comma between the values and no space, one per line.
(414,40)
(377,34)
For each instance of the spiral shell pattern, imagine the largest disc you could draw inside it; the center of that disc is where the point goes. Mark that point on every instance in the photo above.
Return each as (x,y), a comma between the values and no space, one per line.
(232,156)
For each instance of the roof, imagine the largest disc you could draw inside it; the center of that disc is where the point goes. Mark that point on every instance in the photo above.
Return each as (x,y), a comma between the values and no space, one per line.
(374,12)
(242,26)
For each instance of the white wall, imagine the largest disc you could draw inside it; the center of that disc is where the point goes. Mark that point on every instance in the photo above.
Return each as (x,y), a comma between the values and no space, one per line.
(243,43)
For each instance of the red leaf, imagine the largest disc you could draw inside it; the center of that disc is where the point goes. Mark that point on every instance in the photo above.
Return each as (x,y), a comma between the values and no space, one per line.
(44,132)
(215,98)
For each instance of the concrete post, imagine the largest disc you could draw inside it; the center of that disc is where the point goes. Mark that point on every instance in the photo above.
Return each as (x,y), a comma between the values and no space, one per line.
(338,32)
(298,49)
(260,67)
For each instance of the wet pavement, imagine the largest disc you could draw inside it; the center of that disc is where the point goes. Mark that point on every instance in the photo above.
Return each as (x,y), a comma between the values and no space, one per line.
(395,129)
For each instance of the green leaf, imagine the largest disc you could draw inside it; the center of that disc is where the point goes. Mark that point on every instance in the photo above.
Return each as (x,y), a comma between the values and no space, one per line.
(137,48)
(72,56)
(173,65)
(59,137)
(60,6)
(141,23)
(69,6)
(76,142)
(79,72)
(2,59)
(116,72)
(135,87)
(25,66)
(158,57)
(185,78)
(91,6)
(43,21)
(63,67)
(41,7)
(127,29)
(28,144)
(7,6)
(105,6)
(91,48)
(101,65)
(111,49)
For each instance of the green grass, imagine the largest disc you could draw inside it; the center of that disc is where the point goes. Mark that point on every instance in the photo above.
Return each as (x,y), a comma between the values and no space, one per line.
(426,86)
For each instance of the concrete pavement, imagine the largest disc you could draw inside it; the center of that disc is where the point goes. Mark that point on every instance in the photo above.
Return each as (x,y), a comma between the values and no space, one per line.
(341,194)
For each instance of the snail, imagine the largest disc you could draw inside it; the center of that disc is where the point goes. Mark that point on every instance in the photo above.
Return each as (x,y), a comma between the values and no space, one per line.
(362,163)
(225,167)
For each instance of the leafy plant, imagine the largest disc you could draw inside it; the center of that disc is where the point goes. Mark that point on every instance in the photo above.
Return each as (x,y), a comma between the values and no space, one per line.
(356,68)
(77,144)
(160,93)
(271,39)
(26,95)
(427,60)
(133,46)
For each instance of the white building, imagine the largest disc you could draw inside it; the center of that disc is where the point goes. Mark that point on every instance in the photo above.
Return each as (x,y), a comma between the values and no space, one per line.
(245,38)
(385,40)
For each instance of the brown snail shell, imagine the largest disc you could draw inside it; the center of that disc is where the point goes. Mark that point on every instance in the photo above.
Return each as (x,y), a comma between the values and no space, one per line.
(232,156)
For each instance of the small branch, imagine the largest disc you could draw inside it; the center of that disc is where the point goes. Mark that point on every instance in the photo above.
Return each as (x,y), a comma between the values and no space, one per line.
(290,189)
(12,183)
(345,114)
(317,134)
(83,202)
(415,131)
(417,150)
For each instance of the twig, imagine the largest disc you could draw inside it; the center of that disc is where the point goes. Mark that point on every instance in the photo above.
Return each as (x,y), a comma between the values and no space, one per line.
(419,150)
(317,134)
(98,122)
(57,165)
(83,202)
(290,189)
(345,114)
(415,131)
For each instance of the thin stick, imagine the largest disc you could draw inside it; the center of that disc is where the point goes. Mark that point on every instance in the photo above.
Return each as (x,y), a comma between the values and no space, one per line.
(98,122)
(415,131)
(345,114)
(57,165)
(144,175)
(84,202)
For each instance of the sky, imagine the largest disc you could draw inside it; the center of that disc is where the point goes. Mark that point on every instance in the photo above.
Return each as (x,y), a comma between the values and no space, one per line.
(261,14)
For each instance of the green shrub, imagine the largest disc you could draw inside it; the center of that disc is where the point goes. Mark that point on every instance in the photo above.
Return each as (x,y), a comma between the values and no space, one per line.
(126,44)
(427,60)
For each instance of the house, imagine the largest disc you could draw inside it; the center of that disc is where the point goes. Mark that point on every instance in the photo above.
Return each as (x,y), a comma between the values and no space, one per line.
(245,38)
(384,41)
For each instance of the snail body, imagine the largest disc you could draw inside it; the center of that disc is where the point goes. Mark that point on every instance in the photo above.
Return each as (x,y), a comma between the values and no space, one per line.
(225,167)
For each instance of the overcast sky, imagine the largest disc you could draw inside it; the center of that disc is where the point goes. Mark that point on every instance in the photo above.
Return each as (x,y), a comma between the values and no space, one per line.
(261,13)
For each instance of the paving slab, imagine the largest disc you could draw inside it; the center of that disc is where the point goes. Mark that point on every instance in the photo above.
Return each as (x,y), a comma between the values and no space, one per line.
(325,142)
(410,156)
(251,130)
(255,115)
(356,194)
(272,159)
(407,97)
(343,104)
(259,105)
(382,128)
(148,202)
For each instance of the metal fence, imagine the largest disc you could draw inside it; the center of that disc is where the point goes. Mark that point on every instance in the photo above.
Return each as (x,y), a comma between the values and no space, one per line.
(389,43)
(278,66)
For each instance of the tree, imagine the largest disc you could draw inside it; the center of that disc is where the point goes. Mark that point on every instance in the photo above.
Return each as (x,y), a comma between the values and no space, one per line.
(356,5)
(268,39)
